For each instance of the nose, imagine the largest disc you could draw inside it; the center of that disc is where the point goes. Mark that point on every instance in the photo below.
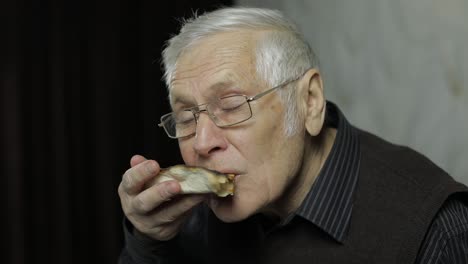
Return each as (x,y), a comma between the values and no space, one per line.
(209,138)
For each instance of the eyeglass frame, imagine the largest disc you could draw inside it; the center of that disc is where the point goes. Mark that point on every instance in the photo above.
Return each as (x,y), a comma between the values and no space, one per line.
(196,110)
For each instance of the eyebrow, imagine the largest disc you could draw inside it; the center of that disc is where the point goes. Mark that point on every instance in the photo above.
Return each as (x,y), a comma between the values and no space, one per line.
(212,90)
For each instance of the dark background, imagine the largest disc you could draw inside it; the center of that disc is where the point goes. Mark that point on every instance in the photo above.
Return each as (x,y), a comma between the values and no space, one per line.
(81,92)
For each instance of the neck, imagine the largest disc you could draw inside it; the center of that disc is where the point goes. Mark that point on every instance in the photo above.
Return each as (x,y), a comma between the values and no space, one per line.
(316,151)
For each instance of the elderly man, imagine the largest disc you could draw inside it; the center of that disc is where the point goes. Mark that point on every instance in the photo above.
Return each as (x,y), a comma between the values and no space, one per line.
(247,99)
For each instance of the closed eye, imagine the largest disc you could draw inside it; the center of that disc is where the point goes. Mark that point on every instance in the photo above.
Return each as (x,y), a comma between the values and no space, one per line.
(184,117)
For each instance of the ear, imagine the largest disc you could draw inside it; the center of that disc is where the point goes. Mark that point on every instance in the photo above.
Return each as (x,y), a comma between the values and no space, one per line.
(312,101)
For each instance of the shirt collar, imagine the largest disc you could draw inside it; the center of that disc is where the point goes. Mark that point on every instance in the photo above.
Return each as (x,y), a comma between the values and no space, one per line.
(329,203)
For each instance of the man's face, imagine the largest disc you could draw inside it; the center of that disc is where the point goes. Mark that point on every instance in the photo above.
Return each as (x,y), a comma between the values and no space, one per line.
(257,151)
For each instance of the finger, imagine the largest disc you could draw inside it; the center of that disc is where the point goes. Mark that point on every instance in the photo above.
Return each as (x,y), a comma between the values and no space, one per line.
(161,233)
(171,213)
(136,159)
(152,197)
(134,178)
(169,231)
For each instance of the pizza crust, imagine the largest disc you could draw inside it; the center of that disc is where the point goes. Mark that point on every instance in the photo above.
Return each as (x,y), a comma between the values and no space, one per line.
(197,180)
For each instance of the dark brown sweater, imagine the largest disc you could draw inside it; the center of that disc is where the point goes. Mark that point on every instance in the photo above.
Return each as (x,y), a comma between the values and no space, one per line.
(394,201)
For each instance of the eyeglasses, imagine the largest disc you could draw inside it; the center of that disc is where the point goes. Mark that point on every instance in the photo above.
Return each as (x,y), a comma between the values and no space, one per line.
(224,112)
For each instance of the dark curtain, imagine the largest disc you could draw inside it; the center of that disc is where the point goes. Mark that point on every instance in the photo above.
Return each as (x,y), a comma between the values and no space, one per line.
(81,92)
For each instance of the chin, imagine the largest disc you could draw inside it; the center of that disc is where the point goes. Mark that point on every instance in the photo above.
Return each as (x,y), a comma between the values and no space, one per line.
(229,209)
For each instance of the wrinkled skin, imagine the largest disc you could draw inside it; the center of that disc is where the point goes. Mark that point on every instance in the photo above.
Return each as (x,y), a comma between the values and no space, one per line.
(274,172)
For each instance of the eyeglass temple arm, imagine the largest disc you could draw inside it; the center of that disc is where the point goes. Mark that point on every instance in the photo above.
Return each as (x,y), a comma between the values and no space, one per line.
(271,90)
(263,93)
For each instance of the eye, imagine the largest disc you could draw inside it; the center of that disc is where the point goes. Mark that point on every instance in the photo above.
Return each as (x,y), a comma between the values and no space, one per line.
(183,117)
(231,103)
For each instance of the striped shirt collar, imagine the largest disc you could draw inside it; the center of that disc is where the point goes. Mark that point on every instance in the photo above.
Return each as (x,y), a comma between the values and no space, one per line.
(329,202)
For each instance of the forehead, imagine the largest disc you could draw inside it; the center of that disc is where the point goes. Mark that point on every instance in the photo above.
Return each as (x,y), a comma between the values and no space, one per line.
(215,63)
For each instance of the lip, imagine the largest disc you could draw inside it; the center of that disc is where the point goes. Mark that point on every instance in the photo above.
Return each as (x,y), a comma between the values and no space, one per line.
(225,171)
(236,178)
(228,171)
(233,173)
(236,174)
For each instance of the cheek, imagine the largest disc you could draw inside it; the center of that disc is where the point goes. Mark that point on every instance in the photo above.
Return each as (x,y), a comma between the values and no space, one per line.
(263,147)
(266,140)
(187,152)
(273,155)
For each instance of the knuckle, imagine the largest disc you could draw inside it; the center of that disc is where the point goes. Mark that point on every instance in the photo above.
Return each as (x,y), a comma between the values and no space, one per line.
(155,231)
(151,166)
(166,233)
(163,194)
(147,226)
(124,201)
(142,227)
(121,190)
(140,205)
(166,219)
(128,180)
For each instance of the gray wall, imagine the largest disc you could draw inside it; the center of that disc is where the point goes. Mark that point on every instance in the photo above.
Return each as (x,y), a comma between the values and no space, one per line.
(397,68)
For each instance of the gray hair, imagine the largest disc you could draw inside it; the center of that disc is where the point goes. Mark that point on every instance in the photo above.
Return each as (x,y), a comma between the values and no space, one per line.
(281,55)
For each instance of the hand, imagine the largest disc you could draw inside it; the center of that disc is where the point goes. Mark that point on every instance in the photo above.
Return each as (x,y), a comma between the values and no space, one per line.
(155,211)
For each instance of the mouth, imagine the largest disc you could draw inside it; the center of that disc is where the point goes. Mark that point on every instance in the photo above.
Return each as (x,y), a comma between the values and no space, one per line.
(232,174)
(229,172)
